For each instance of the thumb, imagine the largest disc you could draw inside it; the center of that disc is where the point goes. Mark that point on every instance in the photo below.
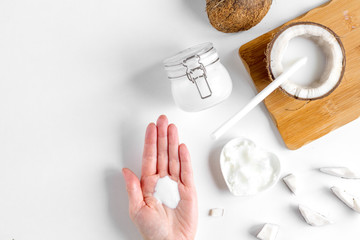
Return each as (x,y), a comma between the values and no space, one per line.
(134,191)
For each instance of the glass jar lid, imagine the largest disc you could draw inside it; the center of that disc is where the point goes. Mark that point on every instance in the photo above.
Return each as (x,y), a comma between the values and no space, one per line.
(203,54)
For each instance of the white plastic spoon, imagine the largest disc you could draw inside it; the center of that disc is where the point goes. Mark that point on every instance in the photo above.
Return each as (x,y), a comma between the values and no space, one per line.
(259,98)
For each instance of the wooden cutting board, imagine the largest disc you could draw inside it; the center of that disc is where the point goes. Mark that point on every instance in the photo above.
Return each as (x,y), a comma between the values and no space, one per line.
(300,122)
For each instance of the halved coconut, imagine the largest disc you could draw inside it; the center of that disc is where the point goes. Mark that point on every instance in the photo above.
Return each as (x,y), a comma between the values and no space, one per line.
(332,47)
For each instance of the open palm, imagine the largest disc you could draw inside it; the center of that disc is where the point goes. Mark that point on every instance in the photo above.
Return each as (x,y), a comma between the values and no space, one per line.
(163,156)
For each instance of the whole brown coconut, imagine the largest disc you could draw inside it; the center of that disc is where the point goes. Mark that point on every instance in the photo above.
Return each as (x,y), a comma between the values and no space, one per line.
(236,15)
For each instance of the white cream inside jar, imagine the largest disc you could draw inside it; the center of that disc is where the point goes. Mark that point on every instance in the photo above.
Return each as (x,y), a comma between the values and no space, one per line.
(247,169)
(198,79)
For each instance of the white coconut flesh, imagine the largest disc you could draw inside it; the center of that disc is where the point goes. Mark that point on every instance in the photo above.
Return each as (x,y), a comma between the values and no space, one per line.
(312,217)
(332,50)
(350,200)
(291,182)
(342,172)
(268,232)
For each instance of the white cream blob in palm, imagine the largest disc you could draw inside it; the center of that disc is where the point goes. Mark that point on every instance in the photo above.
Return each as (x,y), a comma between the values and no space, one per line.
(247,169)
(167,192)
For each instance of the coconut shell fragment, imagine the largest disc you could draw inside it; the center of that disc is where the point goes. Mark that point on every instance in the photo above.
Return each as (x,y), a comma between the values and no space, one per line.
(312,217)
(342,172)
(268,232)
(291,182)
(236,15)
(350,200)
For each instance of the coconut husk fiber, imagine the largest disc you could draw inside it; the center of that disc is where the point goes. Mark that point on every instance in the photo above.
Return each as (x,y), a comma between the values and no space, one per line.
(236,15)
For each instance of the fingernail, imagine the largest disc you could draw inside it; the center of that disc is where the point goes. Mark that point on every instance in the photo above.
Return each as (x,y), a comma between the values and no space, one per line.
(161,117)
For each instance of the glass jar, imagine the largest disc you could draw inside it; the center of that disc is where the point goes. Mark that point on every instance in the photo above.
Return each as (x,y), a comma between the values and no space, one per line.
(198,79)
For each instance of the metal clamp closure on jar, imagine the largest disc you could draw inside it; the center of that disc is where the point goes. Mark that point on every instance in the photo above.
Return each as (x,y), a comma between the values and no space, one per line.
(198,79)
(196,73)
(194,67)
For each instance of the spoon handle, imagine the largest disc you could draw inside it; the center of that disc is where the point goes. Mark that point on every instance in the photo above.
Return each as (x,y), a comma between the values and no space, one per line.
(259,98)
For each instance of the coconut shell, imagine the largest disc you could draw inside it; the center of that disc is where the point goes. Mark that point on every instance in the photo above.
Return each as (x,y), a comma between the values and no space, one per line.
(236,15)
(270,46)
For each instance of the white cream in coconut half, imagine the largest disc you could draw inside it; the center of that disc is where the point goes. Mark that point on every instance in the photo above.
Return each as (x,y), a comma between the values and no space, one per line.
(327,41)
(247,169)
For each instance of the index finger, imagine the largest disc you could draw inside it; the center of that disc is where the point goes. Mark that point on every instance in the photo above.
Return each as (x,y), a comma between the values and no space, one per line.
(150,153)
(186,172)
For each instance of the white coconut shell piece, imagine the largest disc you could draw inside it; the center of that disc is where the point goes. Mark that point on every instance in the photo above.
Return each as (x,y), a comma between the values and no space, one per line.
(268,232)
(216,212)
(357,205)
(291,183)
(312,217)
(342,172)
(350,200)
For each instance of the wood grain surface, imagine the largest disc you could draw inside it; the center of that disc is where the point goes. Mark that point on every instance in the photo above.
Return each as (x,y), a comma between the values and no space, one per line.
(300,122)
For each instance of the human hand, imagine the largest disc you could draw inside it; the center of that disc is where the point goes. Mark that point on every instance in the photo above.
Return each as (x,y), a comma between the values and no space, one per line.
(163,156)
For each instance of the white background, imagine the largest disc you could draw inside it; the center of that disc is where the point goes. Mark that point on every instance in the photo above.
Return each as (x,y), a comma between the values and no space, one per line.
(79,82)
